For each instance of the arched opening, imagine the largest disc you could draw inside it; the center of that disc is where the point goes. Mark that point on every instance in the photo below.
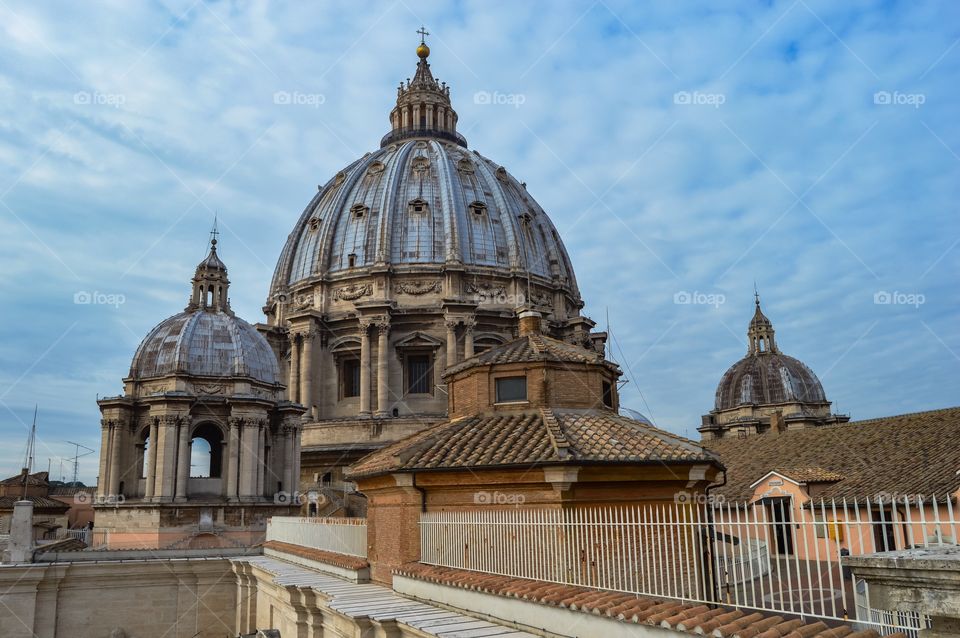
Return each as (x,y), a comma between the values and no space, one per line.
(760,346)
(206,451)
(143,452)
(209,301)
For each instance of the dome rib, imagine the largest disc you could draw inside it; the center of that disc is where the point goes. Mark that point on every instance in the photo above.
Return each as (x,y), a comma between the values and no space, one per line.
(509,229)
(453,251)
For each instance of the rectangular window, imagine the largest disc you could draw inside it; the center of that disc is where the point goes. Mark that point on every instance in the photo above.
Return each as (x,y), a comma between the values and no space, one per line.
(608,394)
(350,377)
(419,374)
(511,389)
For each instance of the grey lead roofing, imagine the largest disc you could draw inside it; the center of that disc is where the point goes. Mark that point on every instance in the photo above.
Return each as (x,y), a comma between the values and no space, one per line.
(446,178)
(768,377)
(205,343)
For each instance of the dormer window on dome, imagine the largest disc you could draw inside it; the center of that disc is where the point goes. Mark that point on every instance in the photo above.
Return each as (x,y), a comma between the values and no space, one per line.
(419,206)
(359,211)
(478,208)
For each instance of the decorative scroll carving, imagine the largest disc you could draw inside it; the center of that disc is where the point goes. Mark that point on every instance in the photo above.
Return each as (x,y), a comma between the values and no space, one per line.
(209,389)
(486,291)
(418,288)
(540,298)
(302,301)
(353,291)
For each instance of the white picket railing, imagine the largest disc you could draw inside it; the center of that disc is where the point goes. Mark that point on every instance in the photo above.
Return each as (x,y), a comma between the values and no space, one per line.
(770,556)
(339,535)
(82,535)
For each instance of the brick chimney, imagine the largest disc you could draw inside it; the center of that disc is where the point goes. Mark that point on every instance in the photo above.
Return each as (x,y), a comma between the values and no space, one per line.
(776,423)
(529,322)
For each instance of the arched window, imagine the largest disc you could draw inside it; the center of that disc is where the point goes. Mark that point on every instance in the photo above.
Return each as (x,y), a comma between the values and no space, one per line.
(206,451)
(143,452)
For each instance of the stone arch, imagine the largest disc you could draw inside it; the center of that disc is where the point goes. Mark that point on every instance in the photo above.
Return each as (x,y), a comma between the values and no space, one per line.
(142,448)
(207,450)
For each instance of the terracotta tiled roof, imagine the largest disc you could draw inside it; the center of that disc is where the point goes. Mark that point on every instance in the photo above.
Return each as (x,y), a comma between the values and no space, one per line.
(330,558)
(810,474)
(37,479)
(39,503)
(530,348)
(692,618)
(71,490)
(532,437)
(906,454)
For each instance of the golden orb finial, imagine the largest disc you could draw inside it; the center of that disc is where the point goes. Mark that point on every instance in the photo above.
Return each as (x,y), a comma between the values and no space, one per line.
(423,50)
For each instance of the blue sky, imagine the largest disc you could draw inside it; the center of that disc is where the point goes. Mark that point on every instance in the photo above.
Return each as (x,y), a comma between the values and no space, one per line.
(684,151)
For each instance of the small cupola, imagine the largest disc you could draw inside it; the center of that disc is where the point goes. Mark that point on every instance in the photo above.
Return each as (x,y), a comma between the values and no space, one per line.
(423,105)
(210,283)
(760,332)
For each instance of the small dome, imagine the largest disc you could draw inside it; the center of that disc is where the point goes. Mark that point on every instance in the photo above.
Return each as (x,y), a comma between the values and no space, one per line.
(205,343)
(212,261)
(636,415)
(768,378)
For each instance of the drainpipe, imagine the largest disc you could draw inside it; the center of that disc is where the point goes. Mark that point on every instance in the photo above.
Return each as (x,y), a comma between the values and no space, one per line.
(423,493)
(713,538)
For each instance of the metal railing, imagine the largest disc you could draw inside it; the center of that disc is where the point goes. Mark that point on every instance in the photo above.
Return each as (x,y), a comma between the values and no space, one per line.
(772,555)
(338,535)
(83,535)
(407,132)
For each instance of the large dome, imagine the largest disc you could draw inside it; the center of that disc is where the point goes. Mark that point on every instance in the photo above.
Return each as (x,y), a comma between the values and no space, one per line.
(766,379)
(418,202)
(423,203)
(205,343)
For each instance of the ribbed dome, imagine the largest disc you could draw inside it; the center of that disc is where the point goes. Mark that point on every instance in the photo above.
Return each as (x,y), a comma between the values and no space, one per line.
(768,378)
(205,343)
(423,201)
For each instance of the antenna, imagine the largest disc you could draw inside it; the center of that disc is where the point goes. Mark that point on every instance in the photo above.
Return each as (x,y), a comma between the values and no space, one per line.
(28,455)
(77,456)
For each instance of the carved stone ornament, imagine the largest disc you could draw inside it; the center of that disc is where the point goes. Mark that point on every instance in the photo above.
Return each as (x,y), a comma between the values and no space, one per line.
(209,389)
(303,301)
(486,289)
(353,291)
(418,288)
